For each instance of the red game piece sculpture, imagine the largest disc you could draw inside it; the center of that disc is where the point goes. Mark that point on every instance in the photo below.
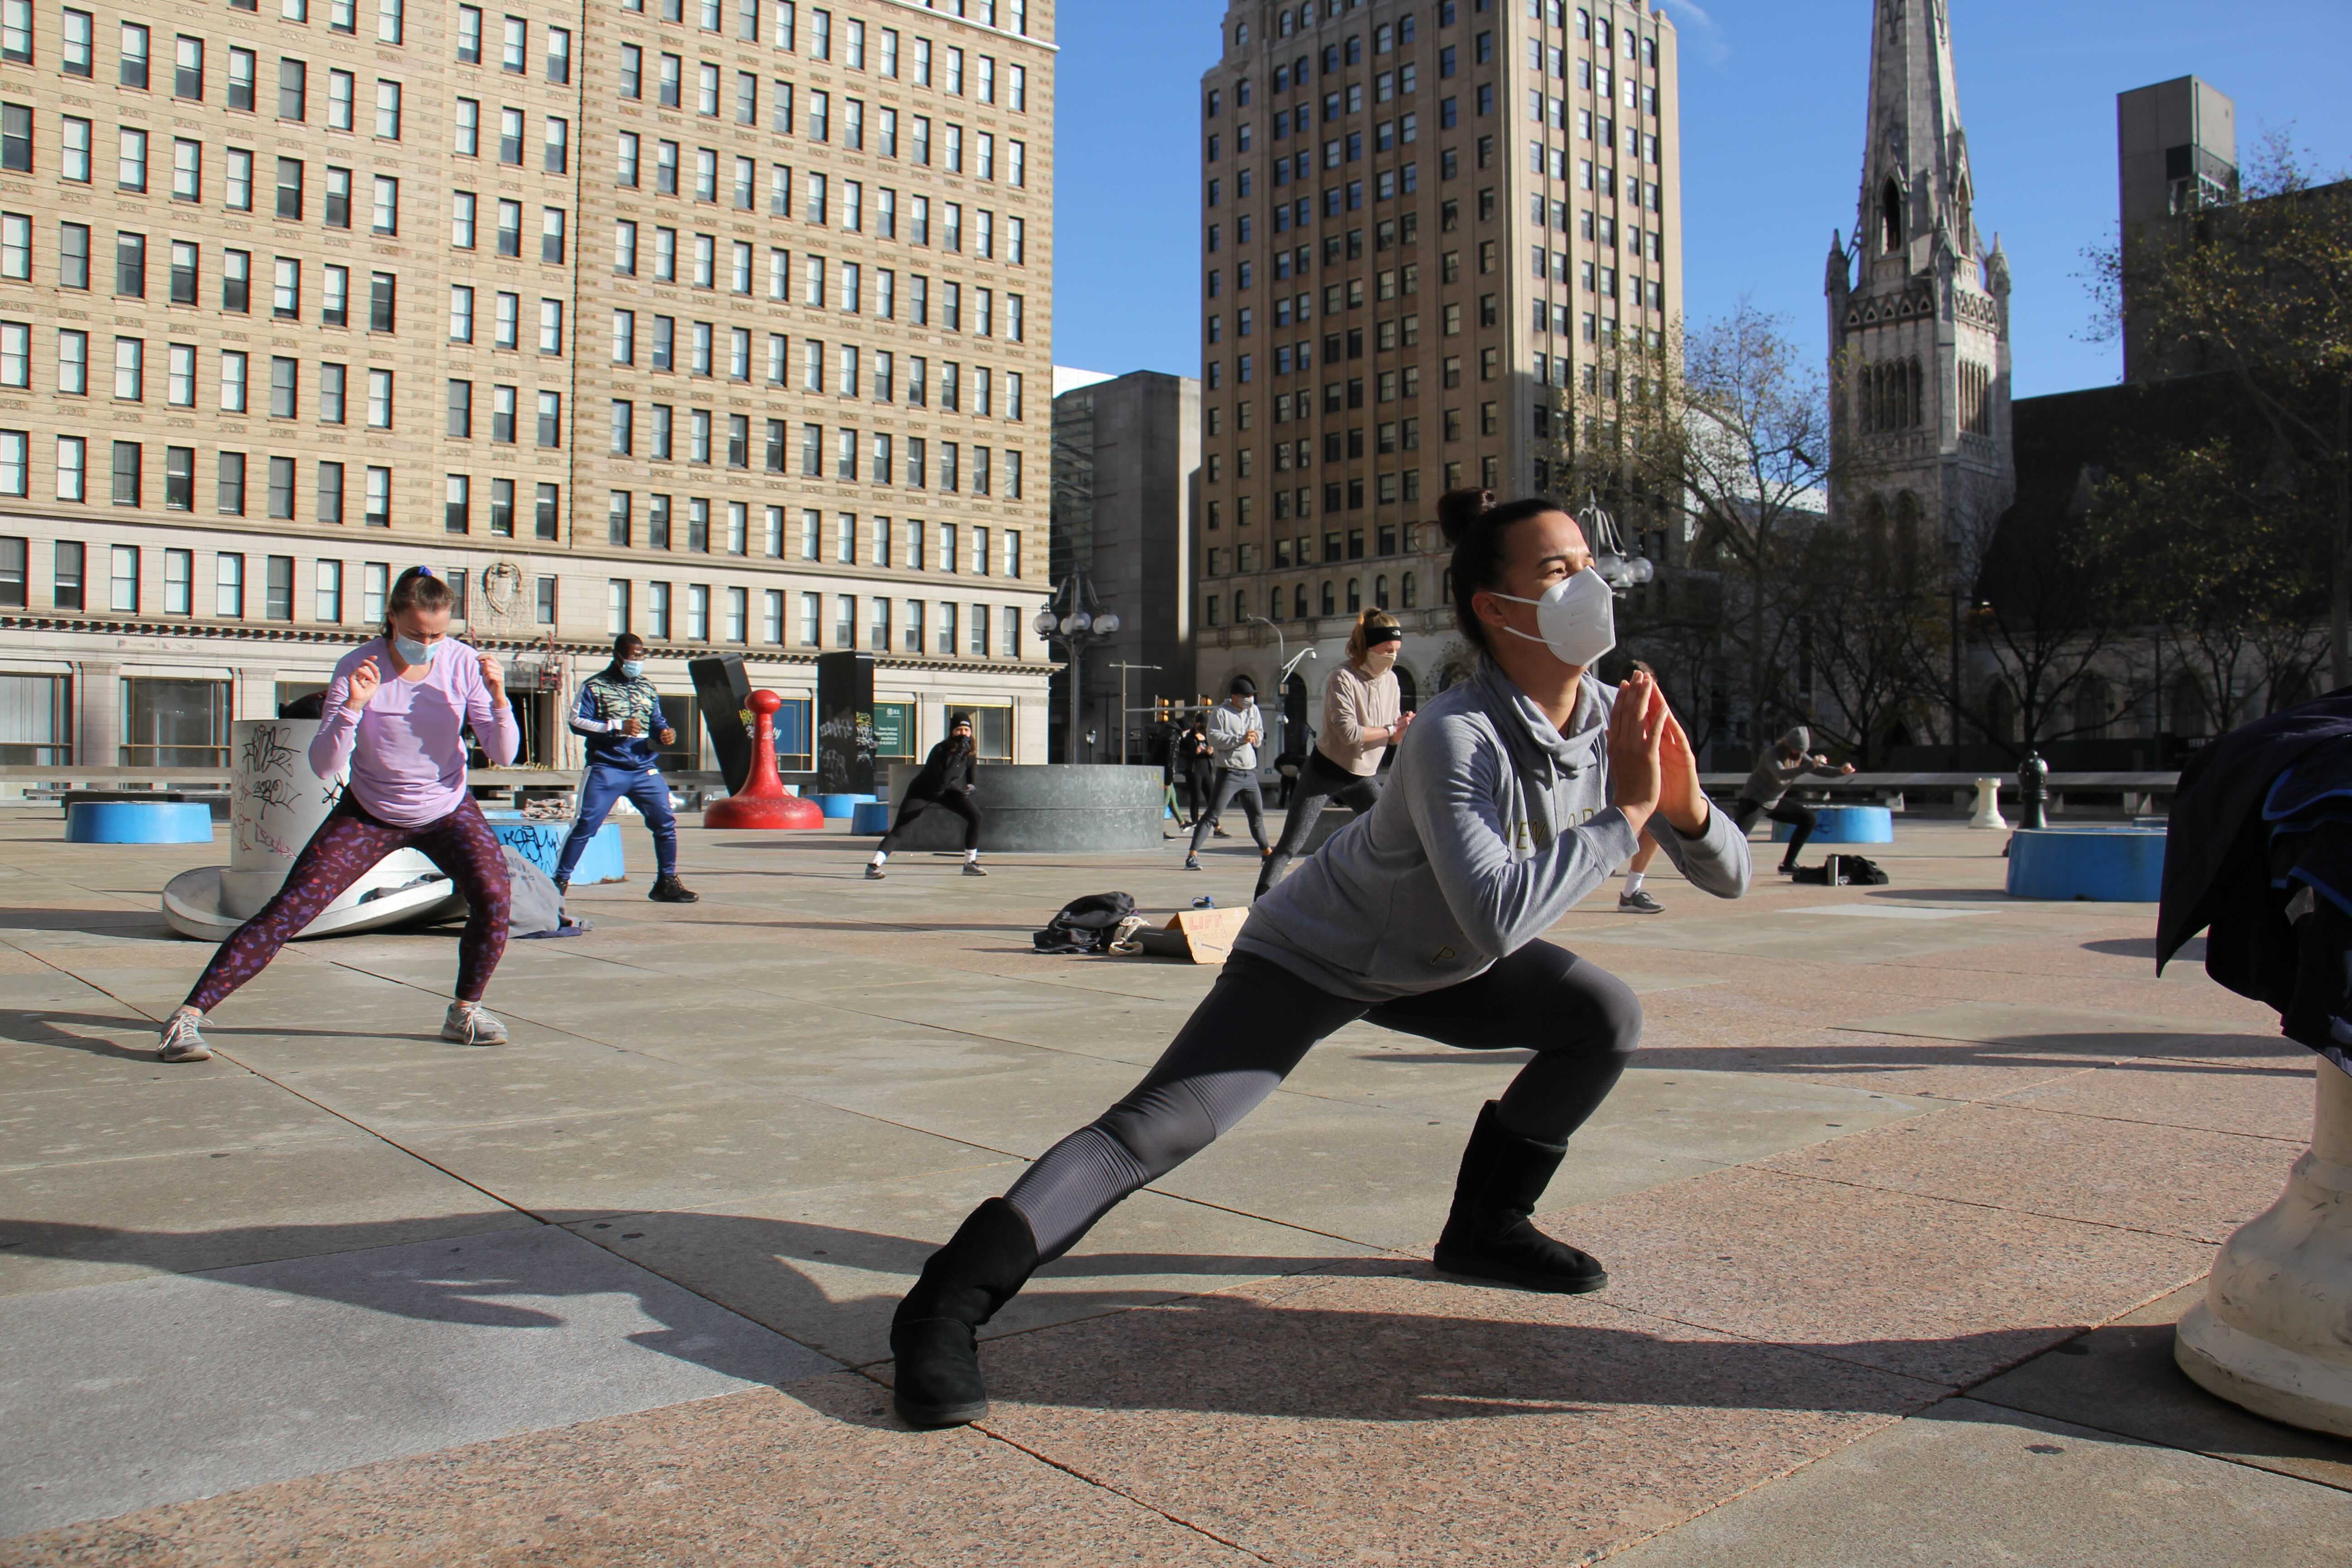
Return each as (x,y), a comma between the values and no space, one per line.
(763,803)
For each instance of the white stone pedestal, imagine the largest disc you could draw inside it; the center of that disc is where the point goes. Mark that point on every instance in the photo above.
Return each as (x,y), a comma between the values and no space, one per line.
(2274,1330)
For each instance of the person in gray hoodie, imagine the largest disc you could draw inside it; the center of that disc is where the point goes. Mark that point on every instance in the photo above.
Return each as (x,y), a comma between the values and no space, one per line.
(1767,788)
(1235,731)
(1515,795)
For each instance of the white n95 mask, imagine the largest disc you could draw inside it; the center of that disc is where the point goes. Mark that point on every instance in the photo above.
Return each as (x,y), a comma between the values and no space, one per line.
(1577,616)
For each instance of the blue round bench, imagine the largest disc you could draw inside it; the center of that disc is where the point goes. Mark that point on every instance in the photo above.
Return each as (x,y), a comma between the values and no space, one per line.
(541,844)
(138,822)
(844,806)
(2095,864)
(872,817)
(1845,824)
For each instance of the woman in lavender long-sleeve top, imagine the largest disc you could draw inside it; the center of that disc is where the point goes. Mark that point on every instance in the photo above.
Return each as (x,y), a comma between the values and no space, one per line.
(396,714)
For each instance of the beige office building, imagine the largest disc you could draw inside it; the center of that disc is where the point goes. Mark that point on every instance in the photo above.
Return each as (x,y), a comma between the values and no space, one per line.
(1422,221)
(726,322)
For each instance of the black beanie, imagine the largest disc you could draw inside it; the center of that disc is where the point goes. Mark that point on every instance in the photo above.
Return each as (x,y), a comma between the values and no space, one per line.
(962,718)
(1242,685)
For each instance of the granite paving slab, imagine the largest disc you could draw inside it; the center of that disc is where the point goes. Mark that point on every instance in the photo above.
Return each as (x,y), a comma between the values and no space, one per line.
(829,1267)
(2120,1378)
(1379,1415)
(811,1477)
(122,1396)
(107,1220)
(148,1115)
(1946,1291)
(1968,1483)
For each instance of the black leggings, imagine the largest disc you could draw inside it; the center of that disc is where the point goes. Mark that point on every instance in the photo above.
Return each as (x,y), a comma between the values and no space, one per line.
(1320,780)
(1232,784)
(1260,1019)
(1798,816)
(914,806)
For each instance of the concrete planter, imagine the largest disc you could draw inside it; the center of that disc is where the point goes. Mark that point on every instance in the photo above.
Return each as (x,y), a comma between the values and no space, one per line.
(1069,809)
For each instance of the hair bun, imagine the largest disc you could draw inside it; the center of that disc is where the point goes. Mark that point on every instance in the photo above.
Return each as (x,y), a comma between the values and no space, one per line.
(1457,510)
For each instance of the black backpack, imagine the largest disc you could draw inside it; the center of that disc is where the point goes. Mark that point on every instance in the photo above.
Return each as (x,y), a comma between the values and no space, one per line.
(1085,925)
(1843,871)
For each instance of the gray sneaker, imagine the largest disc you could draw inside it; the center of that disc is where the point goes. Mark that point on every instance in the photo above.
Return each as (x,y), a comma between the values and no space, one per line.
(971,869)
(469,1024)
(1638,904)
(181,1041)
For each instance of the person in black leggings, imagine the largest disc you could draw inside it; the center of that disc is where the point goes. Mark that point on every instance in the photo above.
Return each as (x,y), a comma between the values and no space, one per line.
(946,782)
(1766,790)
(1524,787)
(1360,722)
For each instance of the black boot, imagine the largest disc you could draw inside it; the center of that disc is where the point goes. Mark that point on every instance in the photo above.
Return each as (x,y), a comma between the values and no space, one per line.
(982,1267)
(1489,1235)
(669,889)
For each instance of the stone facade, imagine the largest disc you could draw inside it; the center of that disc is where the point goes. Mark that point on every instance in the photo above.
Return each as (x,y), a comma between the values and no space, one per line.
(1918,314)
(725,321)
(1418,221)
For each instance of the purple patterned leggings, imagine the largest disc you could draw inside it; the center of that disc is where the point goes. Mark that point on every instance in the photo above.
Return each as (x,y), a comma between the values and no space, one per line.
(346,845)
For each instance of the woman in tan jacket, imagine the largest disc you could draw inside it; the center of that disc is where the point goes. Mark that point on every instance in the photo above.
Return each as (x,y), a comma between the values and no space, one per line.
(1361,722)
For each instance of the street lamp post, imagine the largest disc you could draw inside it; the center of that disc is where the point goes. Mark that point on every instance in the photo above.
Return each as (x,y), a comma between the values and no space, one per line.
(1282,680)
(1078,621)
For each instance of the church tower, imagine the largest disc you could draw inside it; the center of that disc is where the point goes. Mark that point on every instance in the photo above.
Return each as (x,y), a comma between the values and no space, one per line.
(1918,315)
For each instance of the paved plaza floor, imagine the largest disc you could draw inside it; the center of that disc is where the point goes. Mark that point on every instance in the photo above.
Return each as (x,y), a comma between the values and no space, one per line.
(1900,1205)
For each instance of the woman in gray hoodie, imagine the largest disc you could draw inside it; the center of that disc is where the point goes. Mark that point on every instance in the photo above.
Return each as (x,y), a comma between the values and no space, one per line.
(1767,787)
(1522,788)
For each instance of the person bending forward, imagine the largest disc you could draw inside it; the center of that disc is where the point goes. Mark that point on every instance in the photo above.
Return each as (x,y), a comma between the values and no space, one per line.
(396,712)
(1523,788)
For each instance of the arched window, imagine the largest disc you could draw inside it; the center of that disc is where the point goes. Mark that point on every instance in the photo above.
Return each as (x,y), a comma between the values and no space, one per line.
(1874,542)
(1329,606)
(1410,588)
(1408,690)
(1209,610)
(1916,396)
(1861,410)
(1299,602)
(1294,712)
(1381,592)
(1890,214)
(1355,595)
(1241,606)
(2000,713)
(1274,602)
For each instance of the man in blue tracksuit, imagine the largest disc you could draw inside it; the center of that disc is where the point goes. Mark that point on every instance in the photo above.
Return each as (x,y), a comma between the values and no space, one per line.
(619,715)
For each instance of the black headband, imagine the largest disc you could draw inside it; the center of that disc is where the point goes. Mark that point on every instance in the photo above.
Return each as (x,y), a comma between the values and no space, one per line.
(1376,635)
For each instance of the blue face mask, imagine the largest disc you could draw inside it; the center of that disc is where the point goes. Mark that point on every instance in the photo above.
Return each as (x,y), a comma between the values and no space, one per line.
(411,651)
(632,667)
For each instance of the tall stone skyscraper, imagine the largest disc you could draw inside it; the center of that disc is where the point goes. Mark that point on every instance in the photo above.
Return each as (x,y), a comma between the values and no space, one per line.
(1918,311)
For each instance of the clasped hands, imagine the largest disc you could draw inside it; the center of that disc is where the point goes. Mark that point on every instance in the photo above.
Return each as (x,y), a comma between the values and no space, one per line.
(1651,767)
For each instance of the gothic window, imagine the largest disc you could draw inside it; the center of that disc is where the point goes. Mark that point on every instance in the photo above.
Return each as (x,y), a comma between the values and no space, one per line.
(1890,212)
(1874,542)
(1917,398)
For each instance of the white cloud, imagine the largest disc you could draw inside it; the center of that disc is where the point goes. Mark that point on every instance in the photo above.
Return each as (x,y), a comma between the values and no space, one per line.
(1691,16)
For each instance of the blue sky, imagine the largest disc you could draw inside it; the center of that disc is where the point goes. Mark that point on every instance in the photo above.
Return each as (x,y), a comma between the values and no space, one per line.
(1773,95)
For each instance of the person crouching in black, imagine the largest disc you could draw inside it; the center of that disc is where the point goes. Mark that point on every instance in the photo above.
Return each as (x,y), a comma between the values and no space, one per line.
(947,781)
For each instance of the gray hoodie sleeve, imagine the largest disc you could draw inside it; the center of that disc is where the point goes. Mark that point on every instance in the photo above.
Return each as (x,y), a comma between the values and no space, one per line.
(1715,861)
(1453,782)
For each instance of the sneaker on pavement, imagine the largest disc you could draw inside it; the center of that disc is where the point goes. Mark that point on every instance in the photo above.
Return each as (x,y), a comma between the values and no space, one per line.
(182,1040)
(1638,904)
(875,873)
(470,1024)
(1192,862)
(971,869)
(671,890)
(563,886)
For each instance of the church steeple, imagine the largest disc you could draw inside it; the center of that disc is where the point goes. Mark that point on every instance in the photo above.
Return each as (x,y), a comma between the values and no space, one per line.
(1917,196)
(1918,314)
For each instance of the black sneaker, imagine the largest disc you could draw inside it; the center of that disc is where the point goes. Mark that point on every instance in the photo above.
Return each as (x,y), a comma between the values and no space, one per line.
(1192,862)
(563,886)
(875,873)
(1639,903)
(671,890)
